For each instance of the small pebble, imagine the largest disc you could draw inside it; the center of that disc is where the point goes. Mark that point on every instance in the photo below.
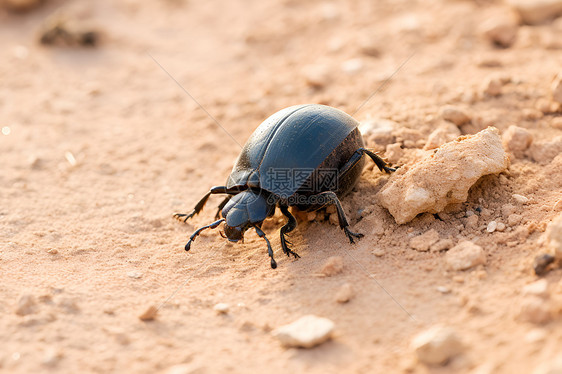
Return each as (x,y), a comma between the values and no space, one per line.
(541,263)
(345,293)
(501,226)
(538,288)
(535,310)
(455,114)
(378,252)
(554,236)
(520,198)
(221,308)
(437,345)
(465,255)
(443,289)
(51,357)
(352,66)
(514,219)
(422,242)
(53,251)
(149,314)
(492,226)
(332,266)
(26,305)
(135,274)
(517,139)
(492,86)
(502,31)
(442,245)
(306,332)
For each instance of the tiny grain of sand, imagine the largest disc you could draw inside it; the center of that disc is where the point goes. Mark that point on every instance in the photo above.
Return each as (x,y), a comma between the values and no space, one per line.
(99,147)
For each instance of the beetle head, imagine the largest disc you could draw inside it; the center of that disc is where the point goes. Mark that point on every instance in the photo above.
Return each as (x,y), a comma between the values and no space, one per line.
(245,210)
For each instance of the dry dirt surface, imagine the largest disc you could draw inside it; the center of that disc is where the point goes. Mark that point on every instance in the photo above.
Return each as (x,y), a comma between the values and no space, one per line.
(100,145)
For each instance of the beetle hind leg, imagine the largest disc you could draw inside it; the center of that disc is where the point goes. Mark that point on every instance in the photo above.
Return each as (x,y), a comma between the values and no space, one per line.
(329,198)
(290,226)
(261,234)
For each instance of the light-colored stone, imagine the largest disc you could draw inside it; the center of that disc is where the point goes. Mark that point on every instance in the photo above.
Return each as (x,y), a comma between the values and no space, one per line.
(538,288)
(534,12)
(492,86)
(520,198)
(492,225)
(514,219)
(332,266)
(442,245)
(345,293)
(379,130)
(422,242)
(454,114)
(501,31)
(444,176)
(436,345)
(306,332)
(534,309)
(221,308)
(465,255)
(517,139)
(545,151)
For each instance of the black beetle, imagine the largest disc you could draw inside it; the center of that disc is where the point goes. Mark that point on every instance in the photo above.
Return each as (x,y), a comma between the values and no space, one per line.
(304,156)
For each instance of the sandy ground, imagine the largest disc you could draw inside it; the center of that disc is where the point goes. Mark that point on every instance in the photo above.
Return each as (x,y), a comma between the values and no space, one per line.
(99,147)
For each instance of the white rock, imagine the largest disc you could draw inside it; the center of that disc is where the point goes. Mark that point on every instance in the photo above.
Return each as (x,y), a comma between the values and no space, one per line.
(444,176)
(134,274)
(306,332)
(520,198)
(221,308)
(465,255)
(436,345)
(352,66)
(534,12)
(492,226)
(538,288)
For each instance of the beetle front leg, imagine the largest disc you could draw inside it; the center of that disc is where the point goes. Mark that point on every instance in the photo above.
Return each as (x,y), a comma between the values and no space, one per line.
(329,198)
(213,225)
(261,234)
(215,190)
(290,226)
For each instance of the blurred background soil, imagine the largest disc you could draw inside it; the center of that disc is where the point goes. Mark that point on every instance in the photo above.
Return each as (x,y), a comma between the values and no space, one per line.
(99,147)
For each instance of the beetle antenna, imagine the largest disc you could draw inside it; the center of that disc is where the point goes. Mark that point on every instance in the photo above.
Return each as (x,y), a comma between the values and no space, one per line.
(213,225)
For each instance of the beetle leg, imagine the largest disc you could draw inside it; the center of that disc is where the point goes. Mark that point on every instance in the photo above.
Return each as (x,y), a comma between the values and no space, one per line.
(213,225)
(222,205)
(213,191)
(261,234)
(330,197)
(356,157)
(290,226)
